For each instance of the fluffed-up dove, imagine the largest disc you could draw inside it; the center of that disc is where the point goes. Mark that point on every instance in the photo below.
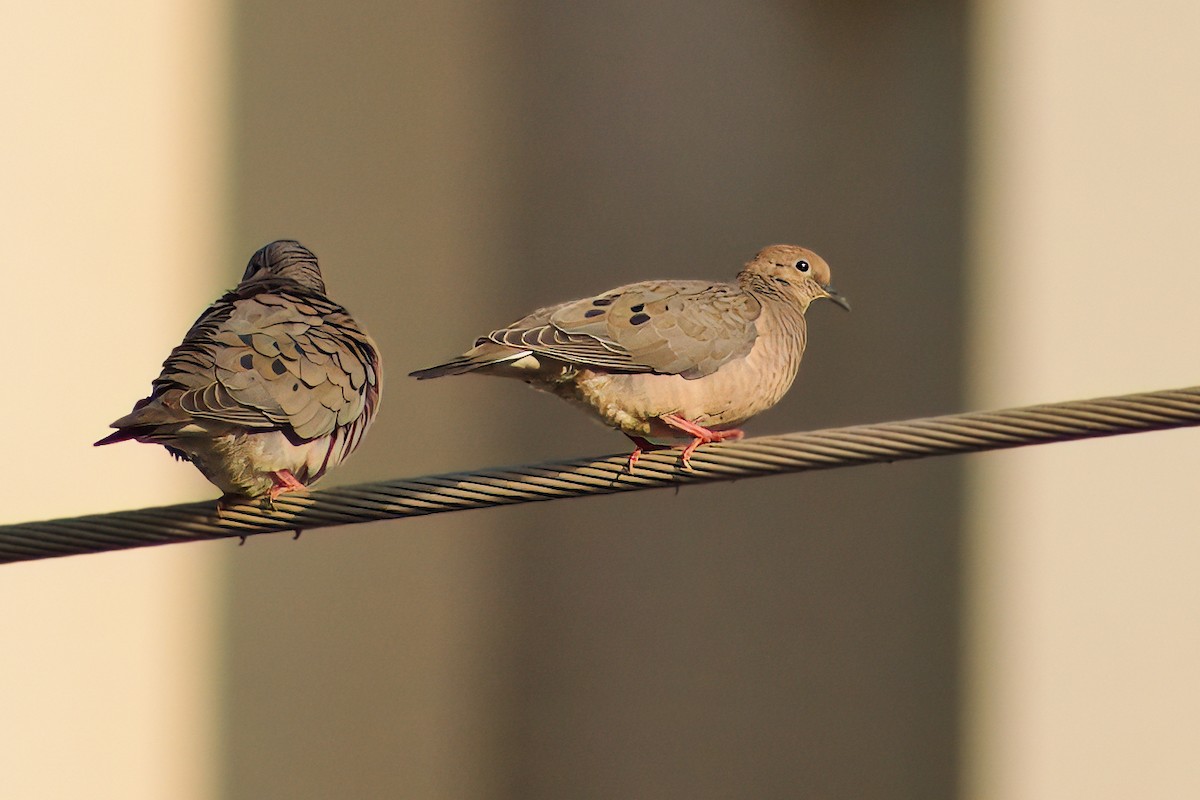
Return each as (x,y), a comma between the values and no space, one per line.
(667,359)
(273,385)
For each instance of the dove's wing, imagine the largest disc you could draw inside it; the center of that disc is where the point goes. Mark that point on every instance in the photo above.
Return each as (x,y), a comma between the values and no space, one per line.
(280,359)
(687,328)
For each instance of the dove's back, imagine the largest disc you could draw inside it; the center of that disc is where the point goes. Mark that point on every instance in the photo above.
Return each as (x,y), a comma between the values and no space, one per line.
(688,328)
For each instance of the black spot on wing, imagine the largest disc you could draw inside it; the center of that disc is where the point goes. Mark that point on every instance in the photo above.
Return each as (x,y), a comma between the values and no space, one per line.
(247,361)
(277,367)
(639,319)
(593,312)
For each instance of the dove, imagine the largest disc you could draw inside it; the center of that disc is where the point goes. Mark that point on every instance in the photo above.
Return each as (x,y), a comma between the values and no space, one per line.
(670,359)
(273,385)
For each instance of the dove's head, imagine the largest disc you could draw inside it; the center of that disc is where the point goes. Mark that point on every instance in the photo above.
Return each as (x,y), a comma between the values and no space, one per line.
(285,261)
(791,272)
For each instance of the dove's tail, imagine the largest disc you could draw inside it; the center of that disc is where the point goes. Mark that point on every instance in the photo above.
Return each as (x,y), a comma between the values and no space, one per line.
(123,435)
(135,423)
(470,362)
(152,419)
(141,433)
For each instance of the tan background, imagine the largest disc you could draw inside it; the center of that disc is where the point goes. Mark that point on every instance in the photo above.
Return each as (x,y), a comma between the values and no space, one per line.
(1025,629)
(113,194)
(1084,608)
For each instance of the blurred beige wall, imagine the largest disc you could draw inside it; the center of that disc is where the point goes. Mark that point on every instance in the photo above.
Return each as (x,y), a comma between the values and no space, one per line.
(112,172)
(1084,628)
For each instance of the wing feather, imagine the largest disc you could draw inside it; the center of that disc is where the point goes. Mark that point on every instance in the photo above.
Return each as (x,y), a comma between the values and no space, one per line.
(688,328)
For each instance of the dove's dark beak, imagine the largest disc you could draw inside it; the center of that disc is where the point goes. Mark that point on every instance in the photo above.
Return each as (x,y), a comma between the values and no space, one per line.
(837,298)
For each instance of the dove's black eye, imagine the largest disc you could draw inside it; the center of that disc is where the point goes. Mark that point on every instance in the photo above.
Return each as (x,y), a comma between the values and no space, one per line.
(802,265)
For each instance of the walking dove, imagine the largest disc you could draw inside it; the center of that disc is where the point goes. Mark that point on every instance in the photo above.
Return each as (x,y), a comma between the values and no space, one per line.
(273,385)
(667,359)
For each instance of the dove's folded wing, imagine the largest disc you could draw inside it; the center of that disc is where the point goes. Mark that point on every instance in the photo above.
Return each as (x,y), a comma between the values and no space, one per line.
(688,328)
(274,361)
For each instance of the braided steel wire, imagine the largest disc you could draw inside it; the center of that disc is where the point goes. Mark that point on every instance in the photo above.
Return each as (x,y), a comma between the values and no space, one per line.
(765,455)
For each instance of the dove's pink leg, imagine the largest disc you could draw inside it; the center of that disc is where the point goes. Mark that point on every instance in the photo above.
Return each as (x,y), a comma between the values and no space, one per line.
(284,481)
(700,434)
(640,446)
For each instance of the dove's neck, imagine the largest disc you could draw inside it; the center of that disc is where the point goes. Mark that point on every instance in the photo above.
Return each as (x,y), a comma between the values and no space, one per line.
(304,277)
(782,335)
(783,297)
(781,327)
(267,283)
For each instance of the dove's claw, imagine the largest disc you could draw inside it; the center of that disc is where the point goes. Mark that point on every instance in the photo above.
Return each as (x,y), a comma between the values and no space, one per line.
(700,435)
(284,482)
(641,445)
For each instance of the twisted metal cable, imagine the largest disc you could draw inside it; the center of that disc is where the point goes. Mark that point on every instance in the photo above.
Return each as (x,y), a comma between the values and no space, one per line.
(765,455)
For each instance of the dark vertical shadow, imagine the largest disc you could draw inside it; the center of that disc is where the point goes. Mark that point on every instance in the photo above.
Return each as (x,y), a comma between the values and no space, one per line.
(455,166)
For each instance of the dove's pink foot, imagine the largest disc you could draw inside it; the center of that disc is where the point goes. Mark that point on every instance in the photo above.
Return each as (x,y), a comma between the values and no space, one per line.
(640,446)
(700,435)
(284,482)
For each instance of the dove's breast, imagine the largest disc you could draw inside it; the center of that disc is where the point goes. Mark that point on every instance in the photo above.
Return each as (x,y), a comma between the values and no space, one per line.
(737,391)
